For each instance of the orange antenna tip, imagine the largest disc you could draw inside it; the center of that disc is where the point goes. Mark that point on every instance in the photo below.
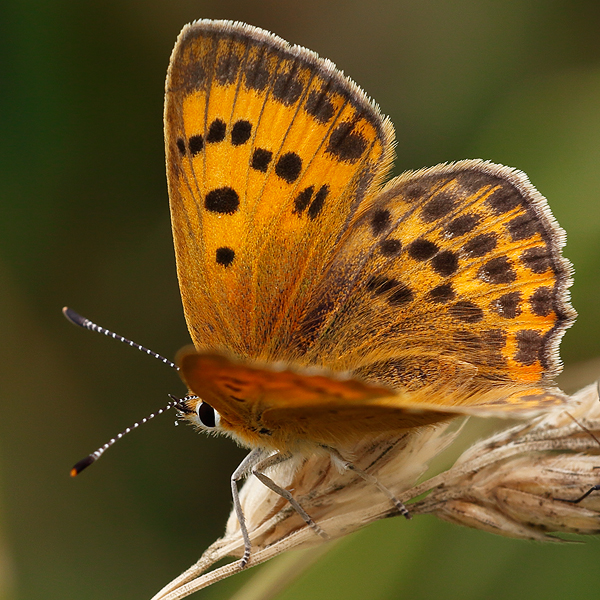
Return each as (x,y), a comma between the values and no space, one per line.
(83,464)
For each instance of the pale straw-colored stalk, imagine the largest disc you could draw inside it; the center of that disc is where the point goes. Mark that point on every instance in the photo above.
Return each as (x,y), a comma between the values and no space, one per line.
(516,483)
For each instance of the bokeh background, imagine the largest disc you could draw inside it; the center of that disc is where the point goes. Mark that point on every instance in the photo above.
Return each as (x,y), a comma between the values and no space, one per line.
(84,222)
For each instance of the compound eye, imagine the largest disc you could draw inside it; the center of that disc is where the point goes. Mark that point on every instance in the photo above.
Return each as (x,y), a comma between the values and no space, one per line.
(208,416)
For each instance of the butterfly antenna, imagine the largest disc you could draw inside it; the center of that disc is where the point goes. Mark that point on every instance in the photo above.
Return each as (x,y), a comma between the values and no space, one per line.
(178,403)
(77,319)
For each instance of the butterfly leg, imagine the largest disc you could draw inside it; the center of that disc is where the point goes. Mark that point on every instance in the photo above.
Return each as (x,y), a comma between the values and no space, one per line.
(244,469)
(346,464)
(271,461)
(594,488)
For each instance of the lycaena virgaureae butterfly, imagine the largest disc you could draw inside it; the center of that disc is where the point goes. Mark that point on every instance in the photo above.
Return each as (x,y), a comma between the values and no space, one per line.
(325,305)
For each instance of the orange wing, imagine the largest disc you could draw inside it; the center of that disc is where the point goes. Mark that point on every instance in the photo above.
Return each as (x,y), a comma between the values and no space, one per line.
(283,409)
(448,285)
(453,272)
(269,149)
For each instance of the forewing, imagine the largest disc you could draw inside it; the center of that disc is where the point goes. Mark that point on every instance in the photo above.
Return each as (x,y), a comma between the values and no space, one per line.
(270,149)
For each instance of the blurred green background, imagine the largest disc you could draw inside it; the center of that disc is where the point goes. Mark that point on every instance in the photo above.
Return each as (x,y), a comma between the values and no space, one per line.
(85,223)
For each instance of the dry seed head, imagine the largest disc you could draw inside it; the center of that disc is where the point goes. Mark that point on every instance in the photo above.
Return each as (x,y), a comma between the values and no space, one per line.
(516,483)
(522,482)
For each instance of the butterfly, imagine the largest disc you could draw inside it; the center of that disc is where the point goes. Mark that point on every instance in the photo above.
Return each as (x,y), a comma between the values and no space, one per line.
(325,305)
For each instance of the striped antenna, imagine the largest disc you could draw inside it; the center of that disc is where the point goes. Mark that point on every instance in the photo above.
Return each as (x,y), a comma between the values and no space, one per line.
(77,319)
(179,404)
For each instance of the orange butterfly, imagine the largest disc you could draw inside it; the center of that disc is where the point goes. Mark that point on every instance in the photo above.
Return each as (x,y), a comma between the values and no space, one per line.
(324,306)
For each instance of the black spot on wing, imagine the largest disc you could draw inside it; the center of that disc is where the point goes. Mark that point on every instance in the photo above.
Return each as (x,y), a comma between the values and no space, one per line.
(319,106)
(442,293)
(312,323)
(346,144)
(287,88)
(288,167)
(537,259)
(261,159)
(390,247)
(303,199)
(445,263)
(414,191)
(195,143)
(402,294)
(504,199)
(225,256)
(241,132)
(496,271)
(399,293)
(223,200)
(508,305)
(379,284)
(480,245)
(523,227)
(439,206)
(380,221)
(216,132)
(462,225)
(422,249)
(541,302)
(317,204)
(529,346)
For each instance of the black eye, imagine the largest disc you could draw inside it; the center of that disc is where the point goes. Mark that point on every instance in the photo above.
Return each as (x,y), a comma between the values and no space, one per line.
(208,415)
